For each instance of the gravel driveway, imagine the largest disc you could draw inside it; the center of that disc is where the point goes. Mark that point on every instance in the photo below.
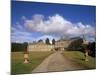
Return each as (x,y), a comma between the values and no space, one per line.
(56,62)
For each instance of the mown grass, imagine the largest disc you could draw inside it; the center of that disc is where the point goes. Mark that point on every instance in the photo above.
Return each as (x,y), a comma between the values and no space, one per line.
(17,65)
(78,57)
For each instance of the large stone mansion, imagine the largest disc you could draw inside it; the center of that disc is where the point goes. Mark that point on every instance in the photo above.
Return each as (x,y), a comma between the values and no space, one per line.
(41,46)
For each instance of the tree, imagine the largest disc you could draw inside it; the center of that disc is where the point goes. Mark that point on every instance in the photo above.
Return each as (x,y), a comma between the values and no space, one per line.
(40,40)
(53,41)
(92,48)
(47,41)
(25,45)
(76,44)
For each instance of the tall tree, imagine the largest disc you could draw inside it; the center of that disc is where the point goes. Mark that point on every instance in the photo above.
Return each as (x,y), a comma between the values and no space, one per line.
(40,40)
(47,41)
(53,41)
(76,44)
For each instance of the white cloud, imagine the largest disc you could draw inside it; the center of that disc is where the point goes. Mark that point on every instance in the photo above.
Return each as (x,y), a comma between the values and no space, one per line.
(23,18)
(56,25)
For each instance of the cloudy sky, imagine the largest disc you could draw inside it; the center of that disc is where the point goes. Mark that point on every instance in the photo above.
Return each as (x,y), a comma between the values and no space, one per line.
(31,21)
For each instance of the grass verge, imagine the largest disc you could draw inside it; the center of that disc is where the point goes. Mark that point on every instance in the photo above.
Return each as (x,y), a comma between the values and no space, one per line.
(78,57)
(17,65)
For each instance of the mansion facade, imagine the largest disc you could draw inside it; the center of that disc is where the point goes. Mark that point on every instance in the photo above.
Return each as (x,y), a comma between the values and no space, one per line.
(41,46)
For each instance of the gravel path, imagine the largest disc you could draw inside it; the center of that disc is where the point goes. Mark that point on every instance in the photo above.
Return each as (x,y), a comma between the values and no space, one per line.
(57,62)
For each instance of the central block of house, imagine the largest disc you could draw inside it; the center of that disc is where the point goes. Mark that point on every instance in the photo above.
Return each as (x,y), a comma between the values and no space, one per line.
(41,46)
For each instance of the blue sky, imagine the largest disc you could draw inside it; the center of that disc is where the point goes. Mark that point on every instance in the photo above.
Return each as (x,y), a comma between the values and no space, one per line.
(33,21)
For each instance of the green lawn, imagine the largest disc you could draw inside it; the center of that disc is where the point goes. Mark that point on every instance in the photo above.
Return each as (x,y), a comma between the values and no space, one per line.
(78,57)
(17,65)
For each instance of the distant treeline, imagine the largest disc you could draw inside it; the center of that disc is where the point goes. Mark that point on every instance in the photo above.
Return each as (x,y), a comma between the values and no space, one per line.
(18,47)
